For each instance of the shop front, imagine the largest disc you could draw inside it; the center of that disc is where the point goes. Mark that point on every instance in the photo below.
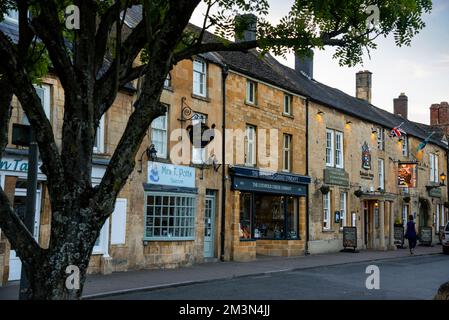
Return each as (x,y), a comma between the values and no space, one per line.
(271,212)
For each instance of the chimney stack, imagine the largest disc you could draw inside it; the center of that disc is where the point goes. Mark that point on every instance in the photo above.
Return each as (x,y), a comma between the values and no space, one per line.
(245,27)
(434,116)
(400,106)
(363,85)
(304,64)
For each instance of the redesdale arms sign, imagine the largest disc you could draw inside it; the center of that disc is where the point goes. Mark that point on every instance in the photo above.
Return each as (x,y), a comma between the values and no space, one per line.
(337,177)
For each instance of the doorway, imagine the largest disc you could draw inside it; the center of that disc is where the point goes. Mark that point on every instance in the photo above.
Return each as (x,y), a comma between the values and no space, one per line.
(209,224)
(423,214)
(19,205)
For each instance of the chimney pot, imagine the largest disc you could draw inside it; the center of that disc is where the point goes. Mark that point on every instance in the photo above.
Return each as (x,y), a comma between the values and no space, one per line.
(400,105)
(245,27)
(363,85)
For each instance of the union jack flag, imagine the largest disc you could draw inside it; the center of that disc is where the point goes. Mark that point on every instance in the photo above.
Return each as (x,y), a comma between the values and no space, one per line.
(397,131)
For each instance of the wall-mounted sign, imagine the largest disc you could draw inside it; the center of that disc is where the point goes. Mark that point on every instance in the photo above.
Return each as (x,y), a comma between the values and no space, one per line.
(366,175)
(435,192)
(366,157)
(336,176)
(407,173)
(15,165)
(171,175)
(258,185)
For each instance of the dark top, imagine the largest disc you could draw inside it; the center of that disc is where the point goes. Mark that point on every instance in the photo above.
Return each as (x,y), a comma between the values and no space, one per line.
(411,231)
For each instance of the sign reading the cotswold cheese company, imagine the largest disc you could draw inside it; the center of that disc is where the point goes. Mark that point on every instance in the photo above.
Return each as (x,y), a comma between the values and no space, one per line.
(435,193)
(336,177)
(171,175)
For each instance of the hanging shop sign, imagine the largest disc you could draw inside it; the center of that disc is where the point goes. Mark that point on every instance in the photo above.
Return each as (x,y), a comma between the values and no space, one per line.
(407,174)
(366,157)
(171,175)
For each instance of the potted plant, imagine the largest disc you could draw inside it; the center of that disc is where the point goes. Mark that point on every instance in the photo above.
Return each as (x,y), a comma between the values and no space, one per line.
(325,189)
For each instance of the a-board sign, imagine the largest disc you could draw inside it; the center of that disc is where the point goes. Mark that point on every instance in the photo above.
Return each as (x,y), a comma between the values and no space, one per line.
(350,237)
(399,234)
(425,236)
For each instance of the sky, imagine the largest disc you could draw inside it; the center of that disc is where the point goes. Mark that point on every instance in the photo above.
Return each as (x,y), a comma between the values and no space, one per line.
(421,71)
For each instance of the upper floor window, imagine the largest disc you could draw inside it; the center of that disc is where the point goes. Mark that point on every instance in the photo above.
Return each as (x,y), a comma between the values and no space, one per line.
(433,167)
(99,137)
(251,92)
(405,146)
(250,146)
(43,92)
(288,104)
(380,138)
(381,173)
(198,153)
(12,16)
(286,152)
(334,148)
(199,78)
(159,135)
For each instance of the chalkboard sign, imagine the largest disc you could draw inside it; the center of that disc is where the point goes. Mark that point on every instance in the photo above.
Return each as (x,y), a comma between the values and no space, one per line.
(441,234)
(350,237)
(399,235)
(425,236)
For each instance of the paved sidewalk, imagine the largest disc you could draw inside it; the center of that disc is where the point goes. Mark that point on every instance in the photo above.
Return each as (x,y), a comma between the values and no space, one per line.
(142,280)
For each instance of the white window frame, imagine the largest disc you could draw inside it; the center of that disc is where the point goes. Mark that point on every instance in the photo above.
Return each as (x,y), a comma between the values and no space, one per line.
(436,168)
(380,138)
(251,90)
(381,173)
(199,78)
(405,146)
(433,168)
(46,103)
(164,130)
(288,104)
(330,155)
(339,150)
(99,136)
(327,211)
(287,150)
(343,208)
(167,81)
(250,146)
(198,154)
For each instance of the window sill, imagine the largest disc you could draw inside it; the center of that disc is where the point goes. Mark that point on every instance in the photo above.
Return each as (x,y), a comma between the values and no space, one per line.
(198,97)
(288,115)
(328,231)
(146,242)
(251,104)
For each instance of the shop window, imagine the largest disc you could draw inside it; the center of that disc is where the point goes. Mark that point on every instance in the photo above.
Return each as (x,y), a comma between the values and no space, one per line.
(159,135)
(405,214)
(327,211)
(343,208)
(250,146)
(245,216)
(287,152)
(288,104)
(275,217)
(170,216)
(251,92)
(199,78)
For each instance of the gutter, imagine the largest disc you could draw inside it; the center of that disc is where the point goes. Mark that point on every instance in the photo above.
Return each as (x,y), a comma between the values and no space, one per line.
(307,186)
(224,75)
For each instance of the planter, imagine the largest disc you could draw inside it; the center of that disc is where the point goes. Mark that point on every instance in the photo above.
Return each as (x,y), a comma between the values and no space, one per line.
(325,189)
(358,193)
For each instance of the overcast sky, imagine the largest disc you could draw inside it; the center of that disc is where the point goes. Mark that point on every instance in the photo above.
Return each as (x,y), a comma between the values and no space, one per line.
(421,71)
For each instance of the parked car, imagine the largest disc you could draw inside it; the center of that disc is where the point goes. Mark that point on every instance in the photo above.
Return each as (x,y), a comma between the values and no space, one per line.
(446,239)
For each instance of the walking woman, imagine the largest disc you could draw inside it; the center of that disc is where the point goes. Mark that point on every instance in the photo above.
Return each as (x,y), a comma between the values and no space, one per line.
(410,234)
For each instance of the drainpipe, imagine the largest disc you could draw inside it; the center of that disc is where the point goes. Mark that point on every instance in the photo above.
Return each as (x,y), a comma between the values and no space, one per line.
(224,75)
(307,186)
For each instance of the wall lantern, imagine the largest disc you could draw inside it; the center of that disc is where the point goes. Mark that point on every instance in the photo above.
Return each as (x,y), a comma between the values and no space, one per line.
(320,113)
(151,153)
(442,178)
(348,122)
(373,130)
